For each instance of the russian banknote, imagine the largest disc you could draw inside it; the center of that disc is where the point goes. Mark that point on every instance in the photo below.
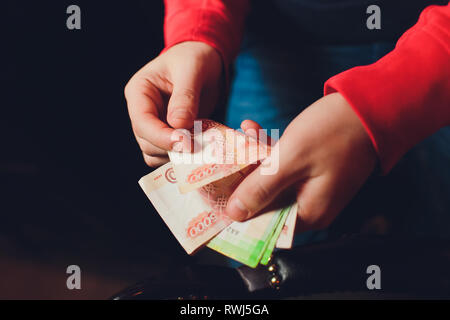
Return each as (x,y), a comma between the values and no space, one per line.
(190,194)
(287,233)
(273,240)
(218,151)
(193,218)
(197,217)
(247,241)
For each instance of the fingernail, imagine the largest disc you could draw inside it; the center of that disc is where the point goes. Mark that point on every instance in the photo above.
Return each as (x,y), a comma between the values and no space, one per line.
(236,210)
(181,114)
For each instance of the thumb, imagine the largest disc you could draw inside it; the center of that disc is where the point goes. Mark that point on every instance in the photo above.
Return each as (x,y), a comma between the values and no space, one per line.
(183,103)
(254,193)
(238,209)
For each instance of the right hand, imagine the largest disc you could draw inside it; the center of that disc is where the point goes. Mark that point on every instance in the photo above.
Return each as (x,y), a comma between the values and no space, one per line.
(170,92)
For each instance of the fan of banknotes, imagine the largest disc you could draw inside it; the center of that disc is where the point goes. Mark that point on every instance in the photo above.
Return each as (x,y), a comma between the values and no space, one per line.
(190,194)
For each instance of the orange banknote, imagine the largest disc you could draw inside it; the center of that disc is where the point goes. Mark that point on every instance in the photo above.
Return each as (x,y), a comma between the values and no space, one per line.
(218,152)
(195,217)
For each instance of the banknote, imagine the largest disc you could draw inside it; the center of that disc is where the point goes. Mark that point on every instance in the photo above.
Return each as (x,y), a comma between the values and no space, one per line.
(195,217)
(247,241)
(273,239)
(191,192)
(218,152)
(287,233)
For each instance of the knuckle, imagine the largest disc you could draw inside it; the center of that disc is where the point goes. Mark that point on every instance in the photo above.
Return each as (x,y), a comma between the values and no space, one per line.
(127,88)
(150,161)
(135,81)
(136,127)
(151,150)
(305,215)
(146,149)
(312,219)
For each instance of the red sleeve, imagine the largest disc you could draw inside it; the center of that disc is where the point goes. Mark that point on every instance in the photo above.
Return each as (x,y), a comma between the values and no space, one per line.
(218,23)
(405,96)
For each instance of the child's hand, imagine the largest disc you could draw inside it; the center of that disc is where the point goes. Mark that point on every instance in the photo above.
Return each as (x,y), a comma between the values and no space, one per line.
(169,92)
(325,154)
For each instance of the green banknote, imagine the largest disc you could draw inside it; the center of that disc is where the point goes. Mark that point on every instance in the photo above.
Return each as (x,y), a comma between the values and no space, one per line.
(247,241)
(276,234)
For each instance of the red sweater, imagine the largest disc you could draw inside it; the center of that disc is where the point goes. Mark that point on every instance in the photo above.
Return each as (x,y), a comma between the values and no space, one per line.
(400,99)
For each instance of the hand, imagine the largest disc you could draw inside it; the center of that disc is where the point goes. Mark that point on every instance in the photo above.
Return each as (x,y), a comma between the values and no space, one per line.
(325,154)
(170,92)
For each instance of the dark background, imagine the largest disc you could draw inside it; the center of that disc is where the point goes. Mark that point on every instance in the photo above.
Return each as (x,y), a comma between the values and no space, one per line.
(69,163)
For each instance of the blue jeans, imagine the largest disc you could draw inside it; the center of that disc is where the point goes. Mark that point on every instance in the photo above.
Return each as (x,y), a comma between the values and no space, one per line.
(272,85)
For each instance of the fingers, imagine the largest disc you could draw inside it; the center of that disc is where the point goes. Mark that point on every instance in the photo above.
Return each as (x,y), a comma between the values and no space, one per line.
(144,102)
(250,126)
(254,130)
(320,200)
(150,128)
(150,149)
(313,200)
(258,190)
(254,193)
(155,161)
(182,109)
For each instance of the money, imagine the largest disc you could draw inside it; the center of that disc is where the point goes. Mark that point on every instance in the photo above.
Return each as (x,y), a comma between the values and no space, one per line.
(193,218)
(273,240)
(219,151)
(191,198)
(287,233)
(247,241)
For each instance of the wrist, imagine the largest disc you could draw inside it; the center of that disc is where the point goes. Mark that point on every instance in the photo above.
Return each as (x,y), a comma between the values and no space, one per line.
(357,131)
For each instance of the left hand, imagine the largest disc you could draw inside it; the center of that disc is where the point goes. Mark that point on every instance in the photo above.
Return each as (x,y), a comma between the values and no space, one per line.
(325,154)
